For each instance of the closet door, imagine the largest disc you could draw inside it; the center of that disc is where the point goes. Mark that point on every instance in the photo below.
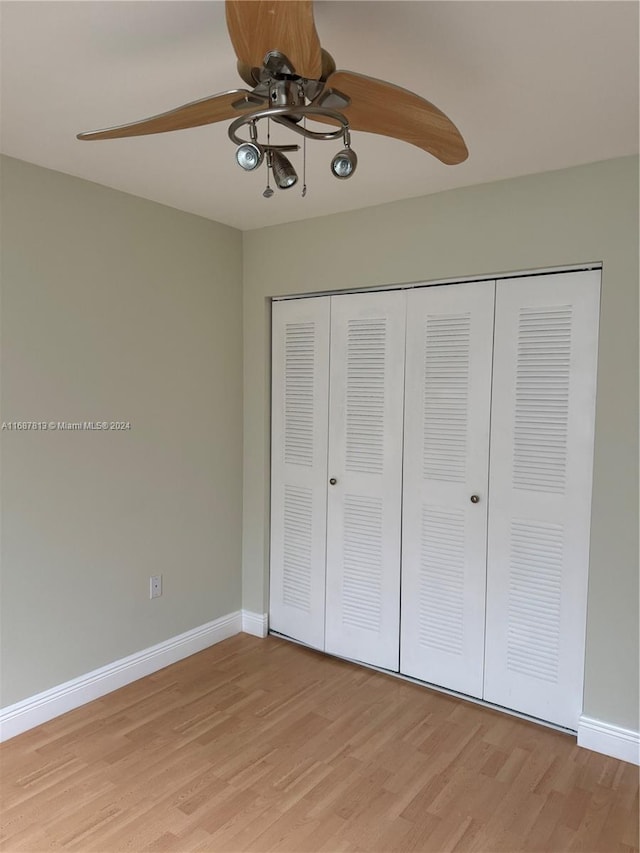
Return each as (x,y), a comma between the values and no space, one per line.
(300,389)
(447,405)
(365,477)
(540,493)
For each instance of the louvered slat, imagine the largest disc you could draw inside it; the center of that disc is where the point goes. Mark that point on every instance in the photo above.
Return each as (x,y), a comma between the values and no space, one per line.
(446,384)
(298,394)
(298,552)
(535,581)
(441,588)
(542,398)
(365,397)
(362,561)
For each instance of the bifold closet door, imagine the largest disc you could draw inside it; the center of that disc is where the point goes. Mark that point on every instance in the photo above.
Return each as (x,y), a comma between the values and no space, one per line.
(447,410)
(300,393)
(542,430)
(365,477)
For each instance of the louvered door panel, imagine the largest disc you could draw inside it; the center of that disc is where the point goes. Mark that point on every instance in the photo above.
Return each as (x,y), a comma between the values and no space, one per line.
(447,403)
(300,389)
(365,458)
(540,487)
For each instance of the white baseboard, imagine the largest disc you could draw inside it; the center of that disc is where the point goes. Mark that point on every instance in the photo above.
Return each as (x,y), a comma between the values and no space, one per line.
(609,739)
(35,710)
(593,734)
(255,623)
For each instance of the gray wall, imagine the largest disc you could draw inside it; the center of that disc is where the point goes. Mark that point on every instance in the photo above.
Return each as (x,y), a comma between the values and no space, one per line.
(574,216)
(114,308)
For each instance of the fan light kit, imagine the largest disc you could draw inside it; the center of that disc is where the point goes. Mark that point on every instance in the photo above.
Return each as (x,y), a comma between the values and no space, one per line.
(293,79)
(250,154)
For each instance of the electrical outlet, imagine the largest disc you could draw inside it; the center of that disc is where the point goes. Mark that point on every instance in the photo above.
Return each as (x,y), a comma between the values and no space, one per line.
(155,586)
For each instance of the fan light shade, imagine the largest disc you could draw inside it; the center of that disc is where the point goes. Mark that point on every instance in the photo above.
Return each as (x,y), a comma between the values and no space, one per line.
(344,163)
(283,172)
(249,155)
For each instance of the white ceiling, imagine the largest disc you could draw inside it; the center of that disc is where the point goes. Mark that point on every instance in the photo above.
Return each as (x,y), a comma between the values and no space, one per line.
(532,86)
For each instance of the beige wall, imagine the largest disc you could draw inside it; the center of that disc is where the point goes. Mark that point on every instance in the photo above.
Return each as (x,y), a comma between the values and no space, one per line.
(574,216)
(114,308)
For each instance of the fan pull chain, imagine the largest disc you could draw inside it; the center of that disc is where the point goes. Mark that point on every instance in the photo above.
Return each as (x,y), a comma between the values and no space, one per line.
(304,160)
(268,192)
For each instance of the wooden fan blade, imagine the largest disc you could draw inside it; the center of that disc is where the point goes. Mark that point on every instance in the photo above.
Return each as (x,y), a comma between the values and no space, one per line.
(259,26)
(380,107)
(194,114)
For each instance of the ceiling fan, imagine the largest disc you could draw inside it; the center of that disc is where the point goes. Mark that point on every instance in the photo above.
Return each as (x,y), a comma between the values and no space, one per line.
(292,79)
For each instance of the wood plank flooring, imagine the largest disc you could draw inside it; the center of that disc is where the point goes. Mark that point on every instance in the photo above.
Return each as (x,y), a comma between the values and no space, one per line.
(262,745)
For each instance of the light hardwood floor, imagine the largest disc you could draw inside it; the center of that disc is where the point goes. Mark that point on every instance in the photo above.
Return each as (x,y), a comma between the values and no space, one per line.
(259,745)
